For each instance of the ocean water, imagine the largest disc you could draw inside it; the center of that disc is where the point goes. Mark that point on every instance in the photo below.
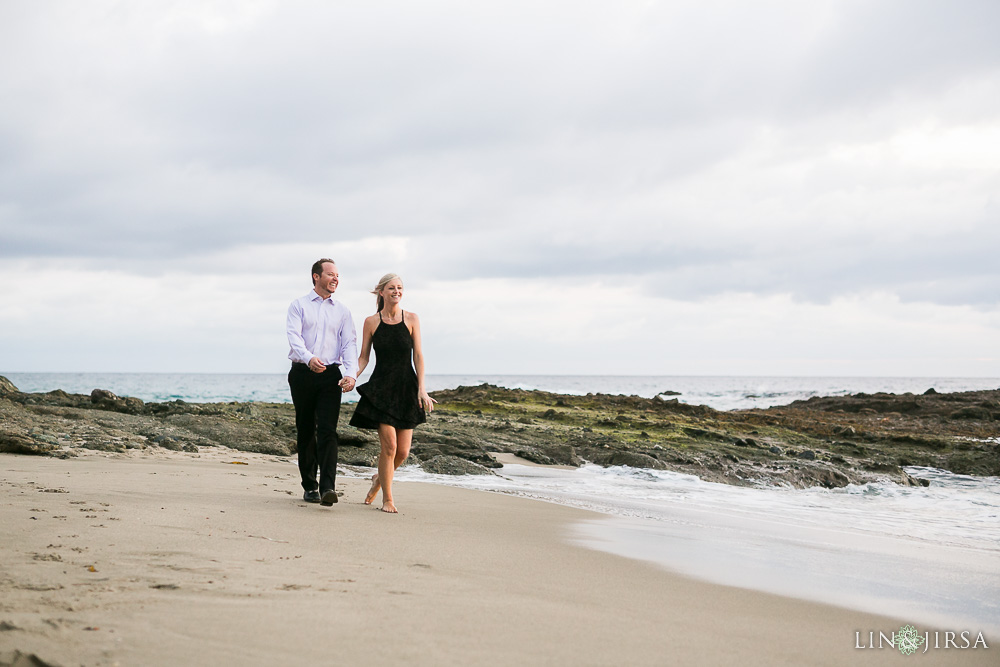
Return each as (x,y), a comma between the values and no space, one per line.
(721,393)
(927,555)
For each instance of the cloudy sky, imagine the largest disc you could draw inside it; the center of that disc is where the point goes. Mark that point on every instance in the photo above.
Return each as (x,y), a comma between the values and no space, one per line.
(797,188)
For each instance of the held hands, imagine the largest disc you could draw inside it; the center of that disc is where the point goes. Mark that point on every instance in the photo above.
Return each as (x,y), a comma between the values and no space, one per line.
(316,366)
(427,402)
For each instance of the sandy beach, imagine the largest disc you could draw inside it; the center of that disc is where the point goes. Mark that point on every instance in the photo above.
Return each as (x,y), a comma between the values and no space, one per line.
(171,558)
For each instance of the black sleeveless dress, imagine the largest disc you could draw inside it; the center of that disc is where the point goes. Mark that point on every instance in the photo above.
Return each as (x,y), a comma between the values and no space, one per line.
(390,395)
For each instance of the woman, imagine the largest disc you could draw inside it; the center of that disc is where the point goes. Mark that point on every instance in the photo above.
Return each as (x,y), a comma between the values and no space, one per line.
(393,399)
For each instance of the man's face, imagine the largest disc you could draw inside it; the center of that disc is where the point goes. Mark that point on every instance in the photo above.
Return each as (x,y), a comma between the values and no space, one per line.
(326,282)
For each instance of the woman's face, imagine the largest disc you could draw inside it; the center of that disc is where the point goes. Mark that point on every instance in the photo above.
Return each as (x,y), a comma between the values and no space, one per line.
(392,292)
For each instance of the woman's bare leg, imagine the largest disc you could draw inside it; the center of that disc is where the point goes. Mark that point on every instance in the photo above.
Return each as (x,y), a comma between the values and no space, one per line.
(386,464)
(404,436)
(376,481)
(401,439)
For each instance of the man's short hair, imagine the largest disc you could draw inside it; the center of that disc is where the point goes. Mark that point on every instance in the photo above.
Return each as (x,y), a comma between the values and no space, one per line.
(317,269)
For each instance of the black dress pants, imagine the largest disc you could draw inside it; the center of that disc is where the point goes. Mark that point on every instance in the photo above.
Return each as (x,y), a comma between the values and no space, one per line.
(316,397)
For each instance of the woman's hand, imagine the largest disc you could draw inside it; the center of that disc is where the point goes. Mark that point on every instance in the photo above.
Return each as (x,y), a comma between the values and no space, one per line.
(426,402)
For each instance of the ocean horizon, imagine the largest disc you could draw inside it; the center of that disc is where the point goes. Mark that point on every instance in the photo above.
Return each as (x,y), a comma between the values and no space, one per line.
(721,392)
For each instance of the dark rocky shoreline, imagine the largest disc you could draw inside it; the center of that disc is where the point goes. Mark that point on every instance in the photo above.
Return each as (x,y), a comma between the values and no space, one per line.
(828,441)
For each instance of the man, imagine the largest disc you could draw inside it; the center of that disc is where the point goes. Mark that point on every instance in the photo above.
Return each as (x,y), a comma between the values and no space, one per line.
(324,358)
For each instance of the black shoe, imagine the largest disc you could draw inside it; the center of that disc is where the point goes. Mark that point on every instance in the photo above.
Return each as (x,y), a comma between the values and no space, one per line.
(311,496)
(329,498)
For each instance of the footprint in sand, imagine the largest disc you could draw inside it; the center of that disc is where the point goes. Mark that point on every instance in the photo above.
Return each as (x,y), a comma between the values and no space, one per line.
(18,658)
(51,557)
(39,587)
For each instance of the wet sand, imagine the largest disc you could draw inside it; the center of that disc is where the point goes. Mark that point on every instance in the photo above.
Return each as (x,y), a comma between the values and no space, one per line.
(167,558)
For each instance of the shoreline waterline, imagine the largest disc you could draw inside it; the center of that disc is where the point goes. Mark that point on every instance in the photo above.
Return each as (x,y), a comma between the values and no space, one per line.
(862,542)
(880,548)
(183,559)
(944,587)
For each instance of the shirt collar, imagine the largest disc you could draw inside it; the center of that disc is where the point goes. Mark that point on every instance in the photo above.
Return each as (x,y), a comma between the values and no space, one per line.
(313,296)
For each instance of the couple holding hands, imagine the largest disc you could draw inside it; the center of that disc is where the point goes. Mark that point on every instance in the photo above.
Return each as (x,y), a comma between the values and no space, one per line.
(325,365)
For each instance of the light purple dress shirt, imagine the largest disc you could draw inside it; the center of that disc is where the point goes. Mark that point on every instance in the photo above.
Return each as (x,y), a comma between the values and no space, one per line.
(323,328)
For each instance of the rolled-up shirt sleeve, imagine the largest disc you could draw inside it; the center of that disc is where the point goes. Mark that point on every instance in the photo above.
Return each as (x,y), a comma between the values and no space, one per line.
(349,346)
(293,328)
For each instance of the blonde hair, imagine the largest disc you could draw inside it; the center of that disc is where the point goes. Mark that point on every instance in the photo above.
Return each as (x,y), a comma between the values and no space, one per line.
(383,281)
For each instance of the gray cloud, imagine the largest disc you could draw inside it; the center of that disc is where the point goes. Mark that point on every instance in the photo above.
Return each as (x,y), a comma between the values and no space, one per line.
(527,140)
(957,268)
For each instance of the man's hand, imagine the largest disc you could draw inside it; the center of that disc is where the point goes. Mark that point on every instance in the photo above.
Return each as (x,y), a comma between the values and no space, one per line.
(347,384)
(316,366)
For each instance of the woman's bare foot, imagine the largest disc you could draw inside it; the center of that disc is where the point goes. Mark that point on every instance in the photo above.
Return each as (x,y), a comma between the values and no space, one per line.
(373,491)
(389,508)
